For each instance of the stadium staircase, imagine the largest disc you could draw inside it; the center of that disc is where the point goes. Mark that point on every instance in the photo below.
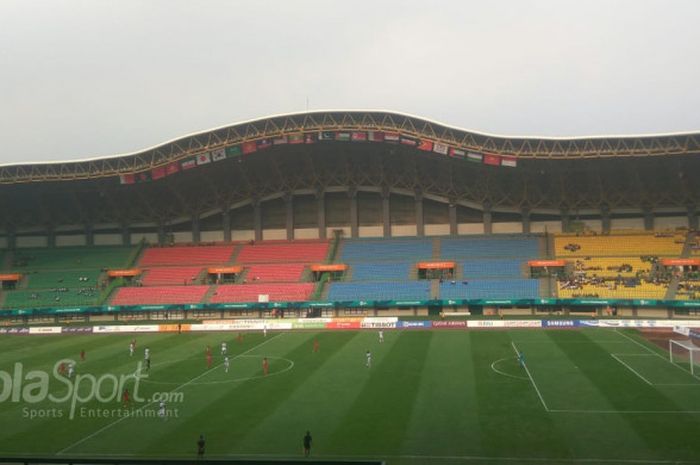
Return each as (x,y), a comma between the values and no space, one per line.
(436,248)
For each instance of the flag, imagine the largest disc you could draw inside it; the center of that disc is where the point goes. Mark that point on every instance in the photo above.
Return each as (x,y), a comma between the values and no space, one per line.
(375,136)
(249,147)
(126,179)
(426,145)
(442,149)
(143,177)
(405,140)
(358,136)
(218,155)
(391,137)
(326,135)
(511,162)
(188,164)
(158,172)
(233,151)
(493,160)
(264,144)
(280,140)
(296,138)
(457,152)
(344,136)
(172,168)
(473,156)
(309,138)
(203,158)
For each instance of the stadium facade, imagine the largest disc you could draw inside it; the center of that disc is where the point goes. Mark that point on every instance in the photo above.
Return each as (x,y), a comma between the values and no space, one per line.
(367,173)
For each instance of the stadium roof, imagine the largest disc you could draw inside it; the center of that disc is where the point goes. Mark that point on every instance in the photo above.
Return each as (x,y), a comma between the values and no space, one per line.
(521,147)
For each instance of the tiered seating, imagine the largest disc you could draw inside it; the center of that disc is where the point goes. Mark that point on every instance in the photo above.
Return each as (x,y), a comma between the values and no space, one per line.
(67,258)
(491,289)
(284,251)
(49,298)
(378,250)
(482,247)
(283,272)
(202,255)
(387,271)
(618,245)
(171,275)
(58,279)
(496,268)
(613,266)
(159,295)
(644,290)
(406,290)
(249,292)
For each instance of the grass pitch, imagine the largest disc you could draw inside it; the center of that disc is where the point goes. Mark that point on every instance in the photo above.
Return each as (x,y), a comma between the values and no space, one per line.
(592,395)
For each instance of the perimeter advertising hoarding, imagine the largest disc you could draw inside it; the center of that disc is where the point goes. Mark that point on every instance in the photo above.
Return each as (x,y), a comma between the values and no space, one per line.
(379,322)
(45,330)
(505,324)
(14,330)
(449,324)
(125,329)
(76,329)
(410,324)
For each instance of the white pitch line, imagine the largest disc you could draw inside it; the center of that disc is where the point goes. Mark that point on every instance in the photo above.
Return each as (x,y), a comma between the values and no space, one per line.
(632,369)
(529,375)
(633,412)
(120,419)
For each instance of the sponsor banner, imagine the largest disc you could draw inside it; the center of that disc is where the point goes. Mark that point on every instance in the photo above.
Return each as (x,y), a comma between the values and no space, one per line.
(414,324)
(473,156)
(345,323)
(426,145)
(379,322)
(694,334)
(442,149)
(326,135)
(410,141)
(485,324)
(45,330)
(308,324)
(560,323)
(309,138)
(76,329)
(172,168)
(391,137)
(174,328)
(296,138)
(14,330)
(342,136)
(125,329)
(449,324)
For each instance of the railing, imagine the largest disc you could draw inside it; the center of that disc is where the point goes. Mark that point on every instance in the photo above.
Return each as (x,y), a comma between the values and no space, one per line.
(178,461)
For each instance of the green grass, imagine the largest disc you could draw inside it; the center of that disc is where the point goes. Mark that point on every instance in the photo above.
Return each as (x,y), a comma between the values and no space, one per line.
(430,397)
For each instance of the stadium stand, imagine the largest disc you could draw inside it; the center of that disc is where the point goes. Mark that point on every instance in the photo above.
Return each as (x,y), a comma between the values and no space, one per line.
(481,247)
(277,292)
(283,251)
(171,276)
(159,295)
(178,255)
(406,290)
(54,279)
(496,268)
(385,271)
(51,297)
(67,258)
(278,272)
(377,250)
(491,289)
(618,245)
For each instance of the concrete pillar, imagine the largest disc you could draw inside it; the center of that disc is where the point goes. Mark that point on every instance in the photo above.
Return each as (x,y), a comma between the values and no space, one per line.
(126,235)
(289,224)
(257,219)
(420,221)
(452,211)
(226,223)
(11,237)
(605,219)
(692,217)
(161,232)
(354,217)
(565,220)
(525,214)
(89,235)
(488,224)
(648,219)
(321,209)
(386,213)
(196,232)
(50,236)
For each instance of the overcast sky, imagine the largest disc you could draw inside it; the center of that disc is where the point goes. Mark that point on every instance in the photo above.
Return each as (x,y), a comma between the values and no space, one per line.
(81,79)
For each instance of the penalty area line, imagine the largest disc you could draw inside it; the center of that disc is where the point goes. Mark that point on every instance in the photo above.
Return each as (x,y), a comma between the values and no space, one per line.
(120,419)
(529,375)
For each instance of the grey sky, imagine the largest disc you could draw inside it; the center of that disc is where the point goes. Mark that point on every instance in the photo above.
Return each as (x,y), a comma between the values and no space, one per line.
(86,78)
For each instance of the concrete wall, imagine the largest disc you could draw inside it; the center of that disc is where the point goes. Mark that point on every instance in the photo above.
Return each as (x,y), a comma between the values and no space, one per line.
(242,235)
(211,236)
(32,241)
(371,231)
(542,226)
(70,240)
(671,222)
(108,239)
(437,229)
(274,234)
(470,228)
(506,228)
(404,230)
(305,233)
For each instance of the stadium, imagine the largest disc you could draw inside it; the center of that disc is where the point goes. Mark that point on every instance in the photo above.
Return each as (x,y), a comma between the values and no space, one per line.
(538,296)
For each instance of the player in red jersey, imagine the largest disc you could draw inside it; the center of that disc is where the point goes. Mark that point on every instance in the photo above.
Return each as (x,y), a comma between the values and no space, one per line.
(82,355)
(316,345)
(62,369)
(266,366)
(125,398)
(209,359)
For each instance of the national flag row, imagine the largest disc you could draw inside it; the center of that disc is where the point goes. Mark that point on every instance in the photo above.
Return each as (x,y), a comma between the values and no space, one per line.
(247,148)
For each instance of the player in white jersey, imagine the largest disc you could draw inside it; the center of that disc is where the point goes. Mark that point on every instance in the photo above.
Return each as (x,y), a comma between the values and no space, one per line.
(132,347)
(146,353)
(161,410)
(71,369)
(224,348)
(227,363)
(265,330)
(381,336)
(369,359)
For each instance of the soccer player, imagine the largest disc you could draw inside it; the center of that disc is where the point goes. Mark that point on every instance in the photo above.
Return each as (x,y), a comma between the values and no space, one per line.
(224,348)
(521,359)
(368,364)
(147,358)
(132,348)
(266,366)
(201,443)
(227,363)
(381,336)
(209,359)
(62,369)
(316,345)
(207,351)
(71,369)
(82,355)
(307,444)
(264,330)
(161,410)
(125,398)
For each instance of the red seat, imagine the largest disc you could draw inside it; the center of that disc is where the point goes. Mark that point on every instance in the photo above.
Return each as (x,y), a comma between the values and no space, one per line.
(283,272)
(284,251)
(249,292)
(159,295)
(172,275)
(201,255)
